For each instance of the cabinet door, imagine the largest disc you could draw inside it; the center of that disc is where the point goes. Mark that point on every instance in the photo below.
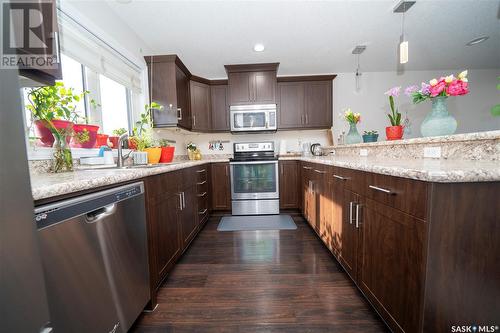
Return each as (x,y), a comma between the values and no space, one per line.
(349,234)
(240,86)
(392,271)
(189,215)
(289,184)
(163,217)
(336,196)
(221,187)
(264,87)
(220,108)
(200,105)
(318,104)
(161,78)
(182,89)
(291,105)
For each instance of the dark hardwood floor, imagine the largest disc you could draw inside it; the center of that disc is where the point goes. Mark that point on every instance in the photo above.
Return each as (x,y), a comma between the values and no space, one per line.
(259,281)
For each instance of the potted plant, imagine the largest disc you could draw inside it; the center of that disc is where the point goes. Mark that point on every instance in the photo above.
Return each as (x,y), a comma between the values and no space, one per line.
(352,119)
(370,136)
(85,135)
(144,122)
(439,121)
(54,104)
(193,152)
(395,131)
(154,152)
(167,151)
(116,136)
(101,140)
(140,156)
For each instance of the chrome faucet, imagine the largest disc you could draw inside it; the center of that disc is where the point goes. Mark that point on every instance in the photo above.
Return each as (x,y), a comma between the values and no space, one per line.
(121,158)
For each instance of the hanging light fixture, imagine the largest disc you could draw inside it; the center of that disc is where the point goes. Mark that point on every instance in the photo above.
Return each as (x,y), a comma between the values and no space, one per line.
(357,51)
(402,7)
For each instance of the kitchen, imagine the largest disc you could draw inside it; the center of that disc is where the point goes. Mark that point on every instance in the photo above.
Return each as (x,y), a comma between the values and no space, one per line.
(226,166)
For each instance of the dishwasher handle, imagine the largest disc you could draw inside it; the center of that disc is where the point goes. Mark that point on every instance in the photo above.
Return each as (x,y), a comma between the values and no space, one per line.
(100,213)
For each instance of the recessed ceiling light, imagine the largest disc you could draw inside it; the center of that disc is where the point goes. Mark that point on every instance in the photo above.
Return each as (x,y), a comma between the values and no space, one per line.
(258,47)
(477,40)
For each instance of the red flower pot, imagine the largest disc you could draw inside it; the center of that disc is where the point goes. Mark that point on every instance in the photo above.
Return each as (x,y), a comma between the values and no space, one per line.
(394,132)
(44,135)
(132,144)
(167,154)
(92,135)
(114,141)
(102,140)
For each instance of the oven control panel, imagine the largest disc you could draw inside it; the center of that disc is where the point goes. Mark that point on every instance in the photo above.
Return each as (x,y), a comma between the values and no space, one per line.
(253,146)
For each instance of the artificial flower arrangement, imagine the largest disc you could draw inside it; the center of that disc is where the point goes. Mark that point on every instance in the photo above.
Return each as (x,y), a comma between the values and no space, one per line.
(395,131)
(351,117)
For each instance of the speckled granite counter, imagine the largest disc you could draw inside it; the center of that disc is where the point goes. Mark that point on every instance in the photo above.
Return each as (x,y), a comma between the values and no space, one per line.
(445,171)
(48,185)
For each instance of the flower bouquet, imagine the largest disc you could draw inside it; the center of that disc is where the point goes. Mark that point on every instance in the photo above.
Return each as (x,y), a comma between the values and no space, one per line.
(352,119)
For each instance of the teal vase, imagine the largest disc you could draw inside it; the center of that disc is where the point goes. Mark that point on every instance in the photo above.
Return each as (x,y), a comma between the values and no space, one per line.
(439,121)
(353,135)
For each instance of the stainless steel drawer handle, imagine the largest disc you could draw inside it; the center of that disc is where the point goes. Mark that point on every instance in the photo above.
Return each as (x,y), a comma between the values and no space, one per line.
(357,215)
(307,168)
(340,177)
(381,189)
(203,182)
(202,194)
(202,170)
(319,171)
(351,204)
(203,211)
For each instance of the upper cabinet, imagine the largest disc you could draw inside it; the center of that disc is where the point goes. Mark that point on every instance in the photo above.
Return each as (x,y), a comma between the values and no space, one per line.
(49,35)
(305,102)
(168,80)
(200,106)
(220,107)
(252,83)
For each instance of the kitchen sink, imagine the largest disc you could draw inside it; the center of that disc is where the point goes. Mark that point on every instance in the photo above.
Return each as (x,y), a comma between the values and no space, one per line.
(128,167)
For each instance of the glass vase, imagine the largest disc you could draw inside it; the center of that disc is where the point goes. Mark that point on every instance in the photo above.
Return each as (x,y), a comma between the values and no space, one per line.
(353,135)
(63,160)
(439,121)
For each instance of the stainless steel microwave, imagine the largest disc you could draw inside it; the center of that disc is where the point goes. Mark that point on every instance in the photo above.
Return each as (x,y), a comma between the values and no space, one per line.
(252,118)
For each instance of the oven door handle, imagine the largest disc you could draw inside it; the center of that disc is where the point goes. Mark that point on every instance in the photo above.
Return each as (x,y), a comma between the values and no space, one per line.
(253,162)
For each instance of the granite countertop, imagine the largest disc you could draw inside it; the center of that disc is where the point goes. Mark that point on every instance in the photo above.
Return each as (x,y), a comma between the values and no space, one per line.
(445,171)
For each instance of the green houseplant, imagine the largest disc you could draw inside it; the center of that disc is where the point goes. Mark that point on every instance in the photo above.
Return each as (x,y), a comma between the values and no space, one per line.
(167,151)
(370,136)
(395,131)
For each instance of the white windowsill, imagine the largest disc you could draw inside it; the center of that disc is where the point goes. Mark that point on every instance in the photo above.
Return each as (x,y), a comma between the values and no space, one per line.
(44,153)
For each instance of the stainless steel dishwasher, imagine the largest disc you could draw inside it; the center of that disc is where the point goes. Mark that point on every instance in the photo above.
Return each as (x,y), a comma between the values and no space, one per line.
(94,251)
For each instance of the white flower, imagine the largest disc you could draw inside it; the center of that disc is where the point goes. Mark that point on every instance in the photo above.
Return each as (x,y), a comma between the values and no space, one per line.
(463,75)
(433,82)
(449,78)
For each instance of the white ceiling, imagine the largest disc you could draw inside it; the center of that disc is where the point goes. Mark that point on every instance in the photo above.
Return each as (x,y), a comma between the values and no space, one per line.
(315,37)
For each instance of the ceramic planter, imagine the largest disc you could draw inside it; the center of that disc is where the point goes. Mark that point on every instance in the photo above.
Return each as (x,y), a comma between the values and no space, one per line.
(44,135)
(114,141)
(167,154)
(102,140)
(140,157)
(132,144)
(154,154)
(439,121)
(370,137)
(394,132)
(353,135)
(87,131)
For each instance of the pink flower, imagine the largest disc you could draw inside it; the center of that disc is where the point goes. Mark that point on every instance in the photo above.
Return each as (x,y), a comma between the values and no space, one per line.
(410,90)
(457,88)
(438,88)
(394,92)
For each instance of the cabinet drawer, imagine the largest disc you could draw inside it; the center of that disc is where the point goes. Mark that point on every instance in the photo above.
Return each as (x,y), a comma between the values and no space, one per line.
(352,180)
(201,174)
(202,190)
(202,208)
(407,195)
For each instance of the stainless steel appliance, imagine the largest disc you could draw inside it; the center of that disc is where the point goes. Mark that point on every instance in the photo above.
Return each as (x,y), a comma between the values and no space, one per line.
(23,305)
(254,179)
(252,118)
(95,259)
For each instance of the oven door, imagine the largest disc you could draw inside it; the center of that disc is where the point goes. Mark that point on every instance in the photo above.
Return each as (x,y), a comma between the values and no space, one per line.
(254,180)
(249,118)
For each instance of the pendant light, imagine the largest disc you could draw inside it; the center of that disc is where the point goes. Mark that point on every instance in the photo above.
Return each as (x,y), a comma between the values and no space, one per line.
(403,7)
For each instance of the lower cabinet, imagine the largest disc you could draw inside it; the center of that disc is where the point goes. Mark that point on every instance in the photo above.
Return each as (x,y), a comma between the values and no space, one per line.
(289,184)
(221,186)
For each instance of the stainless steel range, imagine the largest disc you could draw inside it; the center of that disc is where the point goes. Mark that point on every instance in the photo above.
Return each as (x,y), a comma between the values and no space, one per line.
(254,179)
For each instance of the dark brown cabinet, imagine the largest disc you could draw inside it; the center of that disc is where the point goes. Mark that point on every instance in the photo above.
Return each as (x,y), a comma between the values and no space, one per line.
(202,192)
(221,186)
(305,104)
(49,36)
(219,108)
(252,84)
(168,80)
(289,184)
(200,106)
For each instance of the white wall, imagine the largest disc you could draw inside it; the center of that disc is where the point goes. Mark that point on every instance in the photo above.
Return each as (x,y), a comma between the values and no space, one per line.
(472,111)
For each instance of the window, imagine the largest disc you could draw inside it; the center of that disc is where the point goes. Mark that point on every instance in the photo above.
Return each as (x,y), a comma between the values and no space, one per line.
(73,78)
(114,105)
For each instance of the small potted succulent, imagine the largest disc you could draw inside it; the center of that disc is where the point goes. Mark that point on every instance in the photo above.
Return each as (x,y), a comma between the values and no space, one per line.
(395,131)
(193,151)
(116,136)
(167,151)
(370,136)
